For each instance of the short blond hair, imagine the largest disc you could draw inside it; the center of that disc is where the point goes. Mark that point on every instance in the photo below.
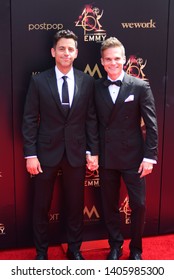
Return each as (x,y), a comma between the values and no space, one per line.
(112,42)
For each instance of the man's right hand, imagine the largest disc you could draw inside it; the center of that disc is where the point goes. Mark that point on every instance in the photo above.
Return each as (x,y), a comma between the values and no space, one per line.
(33,166)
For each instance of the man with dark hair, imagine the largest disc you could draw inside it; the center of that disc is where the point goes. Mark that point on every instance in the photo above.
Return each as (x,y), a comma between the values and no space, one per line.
(59,126)
(122,101)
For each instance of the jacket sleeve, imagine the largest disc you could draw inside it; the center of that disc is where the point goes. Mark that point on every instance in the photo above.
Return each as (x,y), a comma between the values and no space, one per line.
(91,123)
(31,119)
(148,112)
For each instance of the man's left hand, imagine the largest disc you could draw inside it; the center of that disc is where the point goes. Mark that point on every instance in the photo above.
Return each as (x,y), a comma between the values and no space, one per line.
(145,168)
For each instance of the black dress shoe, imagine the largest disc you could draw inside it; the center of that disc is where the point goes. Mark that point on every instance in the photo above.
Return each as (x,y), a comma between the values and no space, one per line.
(115,254)
(41,257)
(74,255)
(135,256)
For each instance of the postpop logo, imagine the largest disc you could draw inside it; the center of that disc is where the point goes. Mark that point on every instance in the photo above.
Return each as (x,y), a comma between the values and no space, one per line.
(44,26)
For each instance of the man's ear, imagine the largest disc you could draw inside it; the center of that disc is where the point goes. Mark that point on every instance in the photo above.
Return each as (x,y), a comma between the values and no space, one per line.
(53,52)
(76,54)
(101,61)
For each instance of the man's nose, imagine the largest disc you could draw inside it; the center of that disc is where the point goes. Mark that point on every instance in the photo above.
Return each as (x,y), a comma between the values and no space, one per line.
(113,61)
(66,51)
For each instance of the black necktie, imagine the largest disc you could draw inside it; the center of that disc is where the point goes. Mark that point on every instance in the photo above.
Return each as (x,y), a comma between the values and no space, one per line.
(65,94)
(109,82)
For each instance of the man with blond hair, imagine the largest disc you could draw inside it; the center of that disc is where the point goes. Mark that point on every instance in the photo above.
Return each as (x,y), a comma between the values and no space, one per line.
(122,101)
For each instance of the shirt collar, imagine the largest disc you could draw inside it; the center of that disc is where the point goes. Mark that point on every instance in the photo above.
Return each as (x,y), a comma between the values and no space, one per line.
(59,74)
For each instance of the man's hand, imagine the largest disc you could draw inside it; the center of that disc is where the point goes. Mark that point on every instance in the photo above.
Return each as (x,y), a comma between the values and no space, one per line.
(92,162)
(33,166)
(145,168)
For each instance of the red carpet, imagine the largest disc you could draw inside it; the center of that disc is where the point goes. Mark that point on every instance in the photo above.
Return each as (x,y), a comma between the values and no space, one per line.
(155,248)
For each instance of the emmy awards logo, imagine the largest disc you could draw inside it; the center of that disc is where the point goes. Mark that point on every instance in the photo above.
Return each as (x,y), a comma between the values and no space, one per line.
(89,20)
(126,210)
(2,229)
(135,66)
(91,178)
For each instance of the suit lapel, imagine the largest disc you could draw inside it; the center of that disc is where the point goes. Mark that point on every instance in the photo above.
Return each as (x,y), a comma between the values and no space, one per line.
(77,90)
(105,94)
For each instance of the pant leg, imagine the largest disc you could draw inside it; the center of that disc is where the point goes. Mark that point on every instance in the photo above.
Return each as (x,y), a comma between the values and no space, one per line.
(137,199)
(110,194)
(43,191)
(73,191)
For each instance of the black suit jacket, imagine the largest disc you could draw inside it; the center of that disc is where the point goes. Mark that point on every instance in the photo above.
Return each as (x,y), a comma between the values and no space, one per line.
(122,144)
(46,130)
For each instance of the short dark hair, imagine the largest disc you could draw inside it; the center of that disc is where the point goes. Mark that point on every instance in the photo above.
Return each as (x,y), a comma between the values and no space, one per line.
(64,34)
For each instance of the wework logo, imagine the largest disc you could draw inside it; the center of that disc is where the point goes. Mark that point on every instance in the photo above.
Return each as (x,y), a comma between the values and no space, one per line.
(144,25)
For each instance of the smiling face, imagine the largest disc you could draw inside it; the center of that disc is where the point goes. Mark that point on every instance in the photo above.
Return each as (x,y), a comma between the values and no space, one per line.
(113,60)
(65,52)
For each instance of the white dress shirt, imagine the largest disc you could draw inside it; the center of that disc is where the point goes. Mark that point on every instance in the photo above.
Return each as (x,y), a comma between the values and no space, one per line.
(114,89)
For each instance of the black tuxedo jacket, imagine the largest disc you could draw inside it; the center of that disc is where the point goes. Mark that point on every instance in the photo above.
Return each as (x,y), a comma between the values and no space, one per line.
(122,143)
(48,132)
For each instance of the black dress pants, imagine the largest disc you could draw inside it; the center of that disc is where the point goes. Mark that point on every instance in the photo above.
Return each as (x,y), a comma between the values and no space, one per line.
(73,195)
(110,181)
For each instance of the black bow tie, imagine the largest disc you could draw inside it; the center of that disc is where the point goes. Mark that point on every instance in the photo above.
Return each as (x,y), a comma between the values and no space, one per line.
(109,82)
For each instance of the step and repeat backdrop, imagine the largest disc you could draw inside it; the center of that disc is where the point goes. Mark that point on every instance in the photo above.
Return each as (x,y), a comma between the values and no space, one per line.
(26,30)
